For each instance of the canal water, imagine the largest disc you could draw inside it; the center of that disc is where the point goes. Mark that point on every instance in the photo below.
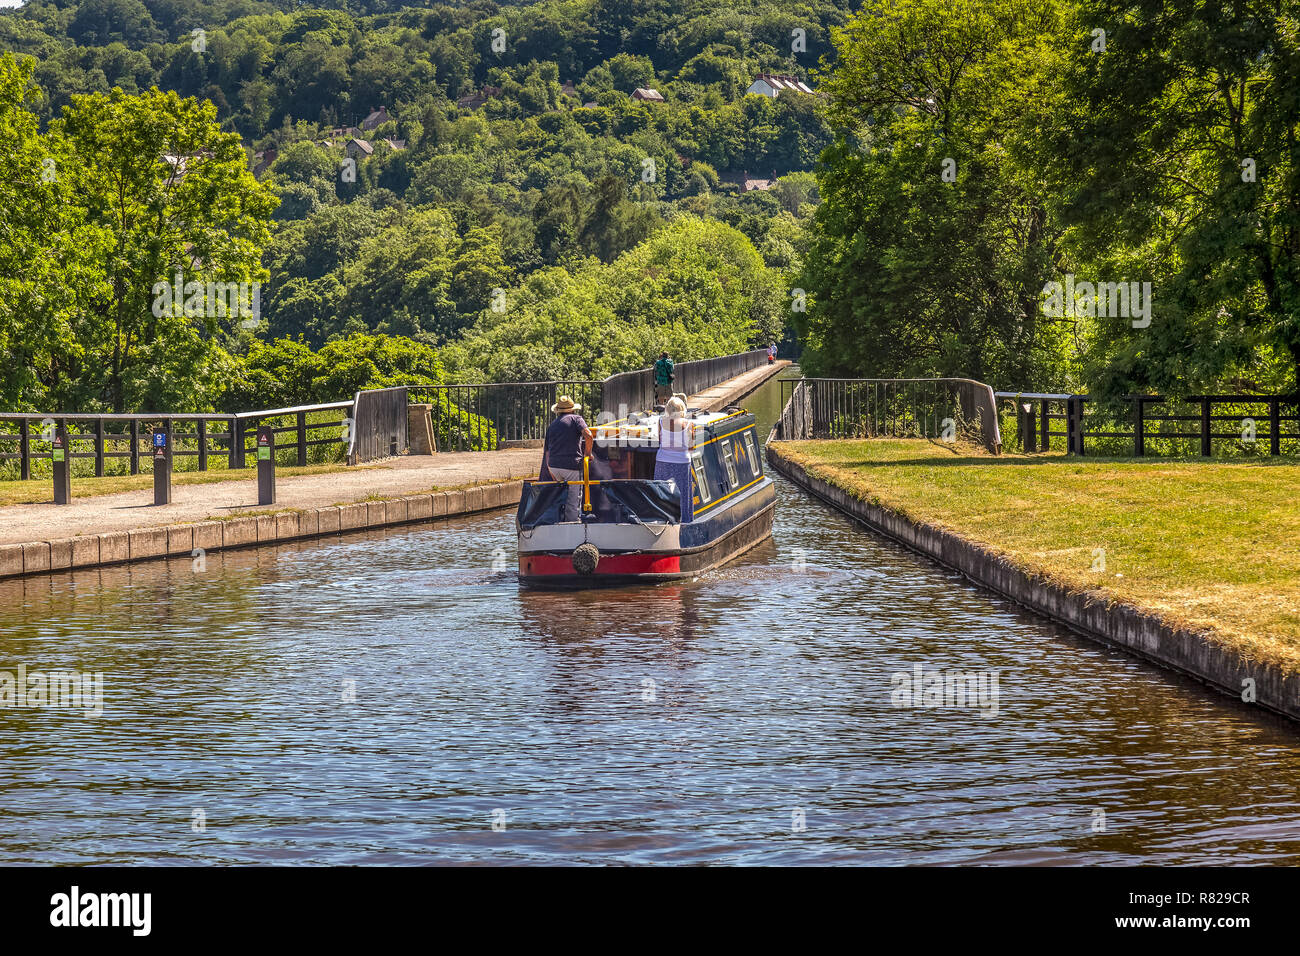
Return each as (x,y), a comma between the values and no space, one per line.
(396,698)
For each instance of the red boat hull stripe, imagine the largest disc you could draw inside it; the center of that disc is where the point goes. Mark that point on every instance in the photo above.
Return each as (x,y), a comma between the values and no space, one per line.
(537,565)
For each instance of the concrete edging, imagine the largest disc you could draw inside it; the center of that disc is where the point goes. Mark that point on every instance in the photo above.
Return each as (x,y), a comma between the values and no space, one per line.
(1128,626)
(250,531)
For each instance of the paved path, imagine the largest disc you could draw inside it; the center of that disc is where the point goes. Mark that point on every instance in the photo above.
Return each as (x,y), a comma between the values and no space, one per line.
(392,478)
(734,389)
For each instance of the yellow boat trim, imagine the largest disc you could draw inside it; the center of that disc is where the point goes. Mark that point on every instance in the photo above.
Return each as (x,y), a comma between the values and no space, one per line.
(736,492)
(720,437)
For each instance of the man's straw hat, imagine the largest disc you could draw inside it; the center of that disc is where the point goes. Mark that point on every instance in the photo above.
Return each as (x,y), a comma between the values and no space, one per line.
(566,404)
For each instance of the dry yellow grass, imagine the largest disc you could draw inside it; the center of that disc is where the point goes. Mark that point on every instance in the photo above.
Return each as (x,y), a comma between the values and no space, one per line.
(1210,545)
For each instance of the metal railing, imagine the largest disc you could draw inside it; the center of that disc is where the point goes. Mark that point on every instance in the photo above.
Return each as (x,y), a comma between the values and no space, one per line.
(635,390)
(1155,424)
(492,415)
(206,438)
(942,408)
(486,417)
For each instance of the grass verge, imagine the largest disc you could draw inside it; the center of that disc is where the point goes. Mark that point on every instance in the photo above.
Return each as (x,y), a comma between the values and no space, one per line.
(1208,545)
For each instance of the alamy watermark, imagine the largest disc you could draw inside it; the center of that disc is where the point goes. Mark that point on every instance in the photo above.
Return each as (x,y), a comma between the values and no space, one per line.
(55,688)
(1128,300)
(940,688)
(211,299)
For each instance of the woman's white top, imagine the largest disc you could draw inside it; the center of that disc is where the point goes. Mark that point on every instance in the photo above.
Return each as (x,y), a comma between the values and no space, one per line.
(674,440)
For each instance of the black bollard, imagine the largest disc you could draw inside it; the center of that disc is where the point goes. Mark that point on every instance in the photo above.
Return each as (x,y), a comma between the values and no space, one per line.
(265,466)
(62,467)
(162,467)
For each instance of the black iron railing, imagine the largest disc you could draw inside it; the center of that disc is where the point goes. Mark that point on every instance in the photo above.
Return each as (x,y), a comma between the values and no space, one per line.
(1155,424)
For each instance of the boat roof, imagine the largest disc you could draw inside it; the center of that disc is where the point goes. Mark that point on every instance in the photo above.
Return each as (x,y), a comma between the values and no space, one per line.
(645,425)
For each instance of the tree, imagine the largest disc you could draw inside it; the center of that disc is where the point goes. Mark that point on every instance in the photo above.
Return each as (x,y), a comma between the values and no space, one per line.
(929,248)
(157,192)
(1173,157)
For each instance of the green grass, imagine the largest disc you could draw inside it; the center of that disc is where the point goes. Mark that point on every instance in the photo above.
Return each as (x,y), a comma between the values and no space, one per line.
(1210,545)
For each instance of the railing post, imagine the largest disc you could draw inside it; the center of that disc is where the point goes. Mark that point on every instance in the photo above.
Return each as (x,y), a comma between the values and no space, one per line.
(1027,428)
(135,446)
(1139,428)
(236,451)
(1073,425)
(1274,427)
(203,444)
(1205,427)
(1045,436)
(302,439)
(99,447)
(25,450)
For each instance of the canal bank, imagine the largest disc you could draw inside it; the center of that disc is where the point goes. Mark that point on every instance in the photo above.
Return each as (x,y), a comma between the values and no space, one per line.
(1195,652)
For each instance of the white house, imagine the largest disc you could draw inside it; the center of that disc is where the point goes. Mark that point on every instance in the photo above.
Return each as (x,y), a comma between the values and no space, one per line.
(772,84)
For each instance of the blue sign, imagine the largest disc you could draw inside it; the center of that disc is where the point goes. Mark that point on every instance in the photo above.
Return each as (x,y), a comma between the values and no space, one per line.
(159,440)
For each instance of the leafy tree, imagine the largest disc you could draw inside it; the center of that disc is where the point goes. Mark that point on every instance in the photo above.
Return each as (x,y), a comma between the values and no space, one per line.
(1171,157)
(156,190)
(929,250)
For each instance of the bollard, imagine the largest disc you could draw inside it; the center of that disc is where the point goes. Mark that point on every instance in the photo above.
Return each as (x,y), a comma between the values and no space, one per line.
(1028,428)
(265,466)
(162,467)
(62,467)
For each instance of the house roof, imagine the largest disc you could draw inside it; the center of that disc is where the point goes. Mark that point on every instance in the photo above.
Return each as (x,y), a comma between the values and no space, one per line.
(643,94)
(375,118)
(780,81)
(362,145)
(472,101)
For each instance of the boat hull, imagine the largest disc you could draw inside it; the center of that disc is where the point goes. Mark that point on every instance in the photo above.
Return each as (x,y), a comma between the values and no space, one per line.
(669,553)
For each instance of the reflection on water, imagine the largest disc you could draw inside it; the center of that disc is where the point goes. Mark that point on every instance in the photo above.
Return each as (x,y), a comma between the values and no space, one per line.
(682,723)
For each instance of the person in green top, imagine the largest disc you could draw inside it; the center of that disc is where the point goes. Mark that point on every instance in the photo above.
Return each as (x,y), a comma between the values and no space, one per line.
(663,379)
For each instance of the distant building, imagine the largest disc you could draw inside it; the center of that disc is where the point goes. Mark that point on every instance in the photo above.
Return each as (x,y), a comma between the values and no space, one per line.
(589,106)
(773,84)
(262,161)
(359,147)
(568,89)
(376,119)
(749,184)
(396,145)
(647,96)
(343,132)
(473,101)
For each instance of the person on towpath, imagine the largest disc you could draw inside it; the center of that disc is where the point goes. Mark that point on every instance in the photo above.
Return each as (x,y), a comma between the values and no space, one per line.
(663,378)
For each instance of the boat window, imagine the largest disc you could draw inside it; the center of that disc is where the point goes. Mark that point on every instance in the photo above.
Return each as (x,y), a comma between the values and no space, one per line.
(753,454)
(729,460)
(702,486)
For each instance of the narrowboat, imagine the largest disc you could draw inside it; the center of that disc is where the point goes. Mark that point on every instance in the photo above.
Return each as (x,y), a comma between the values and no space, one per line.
(631,528)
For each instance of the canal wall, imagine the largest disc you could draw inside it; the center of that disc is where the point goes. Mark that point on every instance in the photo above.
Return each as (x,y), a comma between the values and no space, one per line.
(250,531)
(1140,631)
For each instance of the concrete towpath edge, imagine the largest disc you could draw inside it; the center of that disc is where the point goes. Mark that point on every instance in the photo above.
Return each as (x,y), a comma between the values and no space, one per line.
(249,531)
(1137,630)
